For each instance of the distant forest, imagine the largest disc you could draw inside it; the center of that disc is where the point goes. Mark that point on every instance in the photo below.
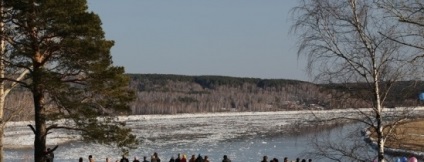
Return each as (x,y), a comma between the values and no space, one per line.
(171,94)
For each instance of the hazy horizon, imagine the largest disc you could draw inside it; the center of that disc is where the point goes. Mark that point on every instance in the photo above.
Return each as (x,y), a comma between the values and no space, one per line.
(238,38)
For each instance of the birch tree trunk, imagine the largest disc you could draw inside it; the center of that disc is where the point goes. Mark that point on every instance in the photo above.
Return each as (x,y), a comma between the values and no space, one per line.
(2,88)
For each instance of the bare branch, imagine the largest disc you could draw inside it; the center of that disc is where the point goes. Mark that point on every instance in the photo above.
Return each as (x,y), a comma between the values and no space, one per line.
(32,128)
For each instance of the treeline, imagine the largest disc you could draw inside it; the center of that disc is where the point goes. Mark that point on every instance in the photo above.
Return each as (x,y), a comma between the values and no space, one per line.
(210,82)
(171,94)
(405,92)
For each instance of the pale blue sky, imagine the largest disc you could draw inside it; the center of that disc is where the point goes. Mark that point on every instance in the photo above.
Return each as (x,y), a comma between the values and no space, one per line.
(241,38)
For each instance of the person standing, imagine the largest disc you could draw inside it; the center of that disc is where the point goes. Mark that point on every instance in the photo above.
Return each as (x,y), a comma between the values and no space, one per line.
(46,156)
(206,159)
(136,159)
(226,159)
(265,159)
(124,159)
(153,159)
(90,158)
(199,158)
(145,159)
(184,159)
(156,157)
(50,154)
(193,158)
(178,158)
(172,159)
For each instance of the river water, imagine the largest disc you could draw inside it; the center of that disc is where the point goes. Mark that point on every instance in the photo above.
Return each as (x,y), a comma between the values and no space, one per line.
(245,137)
(249,149)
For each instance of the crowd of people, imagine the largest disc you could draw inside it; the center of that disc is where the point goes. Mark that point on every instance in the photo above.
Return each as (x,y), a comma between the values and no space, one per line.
(49,156)
(265,159)
(183,158)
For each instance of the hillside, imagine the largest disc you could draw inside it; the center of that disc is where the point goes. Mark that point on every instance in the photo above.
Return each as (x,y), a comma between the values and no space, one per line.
(170,94)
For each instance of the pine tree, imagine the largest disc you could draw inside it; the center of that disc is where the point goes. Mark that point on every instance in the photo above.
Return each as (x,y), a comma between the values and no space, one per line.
(10,77)
(71,75)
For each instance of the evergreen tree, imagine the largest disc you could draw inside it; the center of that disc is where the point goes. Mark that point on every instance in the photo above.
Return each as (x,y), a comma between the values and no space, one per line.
(71,75)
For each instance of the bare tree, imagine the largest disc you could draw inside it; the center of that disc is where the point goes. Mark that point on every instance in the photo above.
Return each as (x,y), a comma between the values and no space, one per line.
(351,42)
(410,14)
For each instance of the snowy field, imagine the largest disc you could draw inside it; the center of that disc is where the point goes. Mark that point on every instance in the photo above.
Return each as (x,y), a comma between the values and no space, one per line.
(211,134)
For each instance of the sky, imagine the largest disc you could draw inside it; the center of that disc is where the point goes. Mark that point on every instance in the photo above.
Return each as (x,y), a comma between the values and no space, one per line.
(239,38)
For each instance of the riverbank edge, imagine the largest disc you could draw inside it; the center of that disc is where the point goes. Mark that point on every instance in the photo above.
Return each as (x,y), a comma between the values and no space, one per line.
(390,151)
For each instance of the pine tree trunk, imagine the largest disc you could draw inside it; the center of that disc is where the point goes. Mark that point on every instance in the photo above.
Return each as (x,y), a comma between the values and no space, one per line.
(40,116)
(40,129)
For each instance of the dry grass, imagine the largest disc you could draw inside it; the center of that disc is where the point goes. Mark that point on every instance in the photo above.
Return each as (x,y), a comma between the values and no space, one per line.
(408,135)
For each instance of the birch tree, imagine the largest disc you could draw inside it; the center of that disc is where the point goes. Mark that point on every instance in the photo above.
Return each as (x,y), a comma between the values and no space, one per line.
(349,41)
(410,15)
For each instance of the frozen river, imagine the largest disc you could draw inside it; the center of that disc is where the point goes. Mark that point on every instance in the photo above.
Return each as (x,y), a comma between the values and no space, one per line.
(244,137)
(240,150)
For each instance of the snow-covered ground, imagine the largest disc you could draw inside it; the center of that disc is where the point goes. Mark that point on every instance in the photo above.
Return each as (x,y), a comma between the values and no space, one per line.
(167,132)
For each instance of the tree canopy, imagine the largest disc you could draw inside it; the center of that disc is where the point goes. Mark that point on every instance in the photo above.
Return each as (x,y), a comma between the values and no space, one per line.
(71,74)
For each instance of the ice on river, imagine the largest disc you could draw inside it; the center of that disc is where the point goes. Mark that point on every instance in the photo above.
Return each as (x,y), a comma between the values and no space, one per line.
(209,133)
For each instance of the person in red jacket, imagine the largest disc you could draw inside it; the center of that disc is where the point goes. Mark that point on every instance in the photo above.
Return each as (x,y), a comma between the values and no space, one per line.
(184,158)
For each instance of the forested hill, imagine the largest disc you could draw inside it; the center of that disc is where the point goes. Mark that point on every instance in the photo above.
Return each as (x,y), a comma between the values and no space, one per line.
(170,94)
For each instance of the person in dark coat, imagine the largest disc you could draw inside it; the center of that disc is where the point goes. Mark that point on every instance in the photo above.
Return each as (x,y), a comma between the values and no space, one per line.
(145,159)
(199,158)
(136,159)
(178,158)
(50,155)
(124,159)
(265,159)
(226,159)
(172,159)
(193,158)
